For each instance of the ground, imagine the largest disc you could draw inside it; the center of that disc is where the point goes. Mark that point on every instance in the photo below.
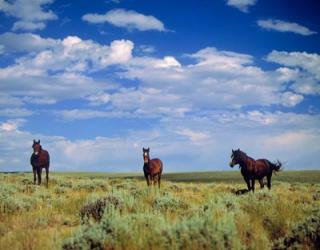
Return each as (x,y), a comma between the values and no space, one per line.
(191,211)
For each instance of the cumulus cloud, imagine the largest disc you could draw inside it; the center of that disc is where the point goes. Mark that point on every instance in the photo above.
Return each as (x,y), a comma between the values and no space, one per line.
(283,26)
(128,19)
(11,42)
(285,136)
(305,70)
(31,14)
(290,99)
(216,79)
(60,68)
(213,79)
(307,61)
(242,5)
(194,136)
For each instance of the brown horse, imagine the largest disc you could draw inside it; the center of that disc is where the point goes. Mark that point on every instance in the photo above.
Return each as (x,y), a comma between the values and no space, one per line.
(152,168)
(252,170)
(39,159)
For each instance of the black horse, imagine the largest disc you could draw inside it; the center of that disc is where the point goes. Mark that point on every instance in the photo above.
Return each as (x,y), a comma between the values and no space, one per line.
(252,170)
(39,159)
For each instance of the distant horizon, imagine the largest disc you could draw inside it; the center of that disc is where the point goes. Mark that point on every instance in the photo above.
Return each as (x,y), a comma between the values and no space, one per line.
(141,172)
(96,82)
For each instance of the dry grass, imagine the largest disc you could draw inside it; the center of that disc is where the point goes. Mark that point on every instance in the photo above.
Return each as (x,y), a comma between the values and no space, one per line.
(183,215)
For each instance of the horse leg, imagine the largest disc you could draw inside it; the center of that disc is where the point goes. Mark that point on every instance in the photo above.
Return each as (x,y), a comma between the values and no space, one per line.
(261,183)
(34,175)
(269,181)
(252,185)
(248,183)
(47,175)
(154,180)
(159,179)
(147,179)
(39,170)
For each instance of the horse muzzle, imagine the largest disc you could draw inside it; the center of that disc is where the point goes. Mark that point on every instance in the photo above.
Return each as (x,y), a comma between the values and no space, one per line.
(231,164)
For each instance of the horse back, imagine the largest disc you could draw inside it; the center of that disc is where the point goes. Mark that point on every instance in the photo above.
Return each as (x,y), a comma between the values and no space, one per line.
(263,167)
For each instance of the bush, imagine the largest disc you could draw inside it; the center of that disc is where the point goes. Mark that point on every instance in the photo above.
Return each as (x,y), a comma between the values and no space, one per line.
(12,204)
(305,234)
(96,209)
(169,204)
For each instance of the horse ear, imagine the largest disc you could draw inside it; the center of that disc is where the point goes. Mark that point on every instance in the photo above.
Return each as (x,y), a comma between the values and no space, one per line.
(34,141)
(38,141)
(238,149)
(232,151)
(148,149)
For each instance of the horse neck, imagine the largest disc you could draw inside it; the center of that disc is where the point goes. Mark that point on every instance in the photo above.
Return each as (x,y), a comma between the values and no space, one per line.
(244,161)
(247,162)
(147,164)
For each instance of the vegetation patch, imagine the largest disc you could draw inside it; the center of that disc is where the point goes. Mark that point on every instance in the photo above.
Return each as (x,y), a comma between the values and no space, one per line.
(84,211)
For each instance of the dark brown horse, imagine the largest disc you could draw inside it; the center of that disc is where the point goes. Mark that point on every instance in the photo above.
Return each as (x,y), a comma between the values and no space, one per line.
(152,168)
(252,170)
(39,159)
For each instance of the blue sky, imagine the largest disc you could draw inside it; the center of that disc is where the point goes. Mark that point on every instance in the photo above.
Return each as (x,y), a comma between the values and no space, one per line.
(97,82)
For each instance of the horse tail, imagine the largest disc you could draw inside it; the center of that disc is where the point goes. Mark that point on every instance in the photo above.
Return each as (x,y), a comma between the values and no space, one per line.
(277,166)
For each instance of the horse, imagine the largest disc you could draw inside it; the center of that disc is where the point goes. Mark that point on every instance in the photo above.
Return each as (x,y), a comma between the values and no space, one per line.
(39,159)
(152,168)
(252,170)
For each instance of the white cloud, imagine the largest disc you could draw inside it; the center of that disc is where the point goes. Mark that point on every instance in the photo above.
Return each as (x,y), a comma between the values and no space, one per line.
(81,114)
(168,62)
(242,5)
(99,98)
(292,138)
(290,99)
(217,79)
(306,86)
(58,70)
(305,74)
(23,25)
(15,112)
(120,51)
(11,42)
(194,136)
(307,61)
(129,19)
(147,49)
(32,14)
(7,126)
(283,26)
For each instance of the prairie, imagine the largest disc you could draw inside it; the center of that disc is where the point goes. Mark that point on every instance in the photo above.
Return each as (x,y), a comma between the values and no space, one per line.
(191,211)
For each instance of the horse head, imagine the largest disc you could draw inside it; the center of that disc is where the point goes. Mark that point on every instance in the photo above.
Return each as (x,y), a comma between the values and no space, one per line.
(36,147)
(146,156)
(236,157)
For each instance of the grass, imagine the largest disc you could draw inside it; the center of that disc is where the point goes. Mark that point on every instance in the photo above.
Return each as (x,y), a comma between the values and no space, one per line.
(191,211)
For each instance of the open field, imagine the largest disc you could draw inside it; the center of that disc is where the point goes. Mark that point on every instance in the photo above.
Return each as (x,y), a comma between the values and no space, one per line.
(191,211)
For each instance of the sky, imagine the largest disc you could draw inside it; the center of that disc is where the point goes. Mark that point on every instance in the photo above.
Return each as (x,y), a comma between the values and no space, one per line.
(191,79)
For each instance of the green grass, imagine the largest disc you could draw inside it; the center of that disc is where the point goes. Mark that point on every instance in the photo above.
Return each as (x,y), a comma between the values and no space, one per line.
(306,176)
(191,211)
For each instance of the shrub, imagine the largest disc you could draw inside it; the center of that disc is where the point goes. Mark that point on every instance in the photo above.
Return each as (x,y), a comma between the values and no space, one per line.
(303,235)
(170,204)
(96,209)
(12,204)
